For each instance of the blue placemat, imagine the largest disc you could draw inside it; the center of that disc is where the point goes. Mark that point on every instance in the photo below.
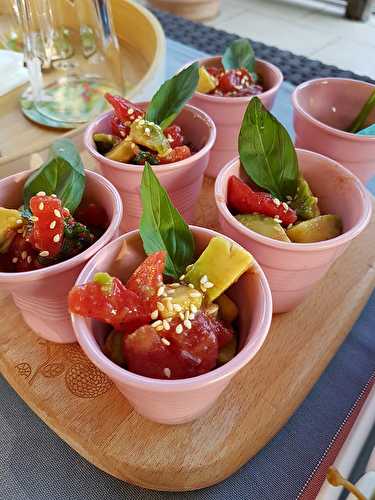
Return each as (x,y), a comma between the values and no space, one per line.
(35,464)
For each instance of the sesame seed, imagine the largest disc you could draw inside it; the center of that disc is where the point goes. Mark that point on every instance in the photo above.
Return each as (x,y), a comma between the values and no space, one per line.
(41,206)
(285,205)
(57,213)
(187,314)
(67,210)
(167,372)
(209,284)
(147,131)
(130,111)
(41,193)
(53,195)
(289,198)
(171,291)
(159,328)
(277,218)
(290,225)
(181,278)
(179,329)
(24,255)
(193,308)
(19,221)
(195,294)
(187,323)
(15,260)
(170,307)
(28,259)
(177,307)
(157,323)
(191,316)
(189,267)
(160,306)
(34,218)
(44,253)
(141,122)
(191,285)
(182,316)
(56,238)
(165,341)
(166,325)
(132,145)
(52,225)
(174,285)
(155,314)
(212,309)
(204,279)
(277,202)
(203,288)
(160,290)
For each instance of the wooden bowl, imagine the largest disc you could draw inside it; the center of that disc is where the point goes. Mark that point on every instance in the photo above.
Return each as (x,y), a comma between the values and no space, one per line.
(196,10)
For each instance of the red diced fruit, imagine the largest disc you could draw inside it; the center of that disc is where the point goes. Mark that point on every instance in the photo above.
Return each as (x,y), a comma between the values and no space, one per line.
(223,334)
(167,354)
(108,300)
(118,128)
(147,278)
(92,215)
(177,154)
(48,229)
(213,71)
(235,80)
(21,256)
(243,200)
(125,111)
(174,136)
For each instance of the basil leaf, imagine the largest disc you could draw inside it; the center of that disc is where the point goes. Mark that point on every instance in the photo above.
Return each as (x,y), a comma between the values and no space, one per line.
(360,121)
(162,227)
(172,96)
(267,152)
(62,174)
(240,54)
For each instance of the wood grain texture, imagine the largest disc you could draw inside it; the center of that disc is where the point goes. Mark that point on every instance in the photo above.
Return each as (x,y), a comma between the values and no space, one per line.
(84,408)
(143,55)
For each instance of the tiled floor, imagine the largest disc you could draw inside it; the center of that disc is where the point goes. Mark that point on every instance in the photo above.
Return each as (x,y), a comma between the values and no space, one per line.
(308,27)
(313,28)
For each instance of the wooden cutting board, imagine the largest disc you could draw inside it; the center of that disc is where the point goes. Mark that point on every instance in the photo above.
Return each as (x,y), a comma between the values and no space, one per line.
(84,408)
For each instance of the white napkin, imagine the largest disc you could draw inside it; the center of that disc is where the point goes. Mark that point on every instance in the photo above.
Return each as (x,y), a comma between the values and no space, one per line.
(12,72)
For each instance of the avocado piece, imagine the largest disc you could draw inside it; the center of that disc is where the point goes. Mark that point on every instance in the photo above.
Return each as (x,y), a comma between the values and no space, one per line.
(150,135)
(105,142)
(228,309)
(220,265)
(305,203)
(206,82)
(179,299)
(227,352)
(114,347)
(124,151)
(267,226)
(320,228)
(8,224)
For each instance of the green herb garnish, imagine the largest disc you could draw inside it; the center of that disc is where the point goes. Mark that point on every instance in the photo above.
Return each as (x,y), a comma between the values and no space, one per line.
(240,54)
(172,96)
(267,152)
(162,227)
(360,122)
(62,174)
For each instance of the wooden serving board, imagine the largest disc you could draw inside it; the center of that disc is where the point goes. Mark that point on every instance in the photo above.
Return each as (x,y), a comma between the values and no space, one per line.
(85,409)
(143,50)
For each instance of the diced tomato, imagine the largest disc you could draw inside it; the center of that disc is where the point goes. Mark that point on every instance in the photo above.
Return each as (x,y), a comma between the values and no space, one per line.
(174,136)
(147,278)
(223,334)
(177,154)
(120,307)
(235,81)
(243,200)
(48,229)
(124,109)
(119,128)
(92,215)
(20,257)
(212,70)
(169,355)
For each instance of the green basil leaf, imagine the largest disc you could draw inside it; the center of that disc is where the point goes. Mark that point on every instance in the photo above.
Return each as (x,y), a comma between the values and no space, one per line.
(360,121)
(240,54)
(172,96)
(162,227)
(62,174)
(267,152)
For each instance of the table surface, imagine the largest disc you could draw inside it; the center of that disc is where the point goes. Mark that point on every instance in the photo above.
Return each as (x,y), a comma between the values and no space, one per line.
(36,464)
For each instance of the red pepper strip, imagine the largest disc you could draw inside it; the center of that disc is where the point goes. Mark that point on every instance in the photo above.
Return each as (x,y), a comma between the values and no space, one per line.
(243,200)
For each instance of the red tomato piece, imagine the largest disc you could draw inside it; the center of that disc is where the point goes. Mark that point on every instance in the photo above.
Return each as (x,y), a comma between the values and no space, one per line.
(120,307)
(92,215)
(118,127)
(213,71)
(124,109)
(48,230)
(174,136)
(147,278)
(235,81)
(168,355)
(223,334)
(177,154)
(243,200)
(21,256)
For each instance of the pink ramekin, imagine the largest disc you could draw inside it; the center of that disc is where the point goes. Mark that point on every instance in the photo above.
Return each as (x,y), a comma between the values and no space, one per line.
(175,401)
(292,269)
(182,180)
(41,295)
(321,108)
(227,112)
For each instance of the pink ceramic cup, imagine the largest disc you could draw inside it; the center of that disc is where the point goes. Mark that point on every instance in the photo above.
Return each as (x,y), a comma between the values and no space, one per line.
(182,180)
(227,112)
(292,269)
(41,295)
(175,401)
(322,109)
